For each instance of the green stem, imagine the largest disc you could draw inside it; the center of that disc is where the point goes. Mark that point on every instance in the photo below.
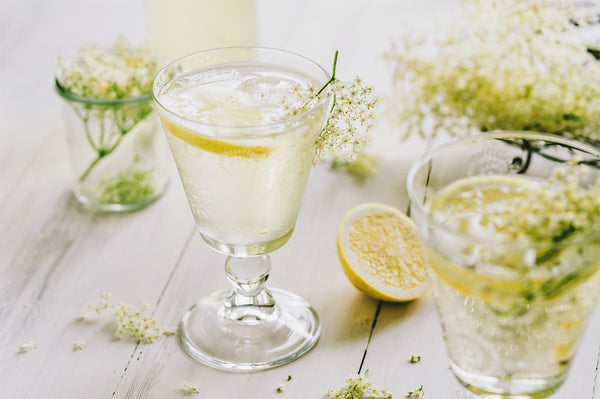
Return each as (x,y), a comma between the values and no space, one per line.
(85,119)
(102,129)
(557,247)
(330,81)
(89,168)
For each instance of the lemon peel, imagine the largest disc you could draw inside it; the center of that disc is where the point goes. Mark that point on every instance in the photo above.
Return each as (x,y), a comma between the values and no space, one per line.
(214,145)
(381,254)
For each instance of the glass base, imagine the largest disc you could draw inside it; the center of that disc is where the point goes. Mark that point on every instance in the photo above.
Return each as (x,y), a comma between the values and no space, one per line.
(509,387)
(93,204)
(249,345)
(247,250)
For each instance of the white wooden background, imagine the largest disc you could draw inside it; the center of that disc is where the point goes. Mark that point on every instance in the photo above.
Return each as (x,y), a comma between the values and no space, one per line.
(56,257)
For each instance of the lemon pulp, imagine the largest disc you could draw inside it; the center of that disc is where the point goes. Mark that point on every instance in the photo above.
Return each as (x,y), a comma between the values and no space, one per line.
(381,253)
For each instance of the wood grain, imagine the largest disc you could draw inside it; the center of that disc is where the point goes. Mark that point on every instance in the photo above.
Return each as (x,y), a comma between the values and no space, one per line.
(56,257)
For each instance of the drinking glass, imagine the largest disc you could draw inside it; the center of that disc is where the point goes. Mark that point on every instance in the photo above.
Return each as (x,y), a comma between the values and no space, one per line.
(512,312)
(244,164)
(116,151)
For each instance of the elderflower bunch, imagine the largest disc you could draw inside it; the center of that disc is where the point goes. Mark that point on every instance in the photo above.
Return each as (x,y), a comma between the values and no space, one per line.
(26,347)
(551,212)
(189,388)
(130,321)
(357,388)
(417,393)
(109,73)
(506,65)
(350,118)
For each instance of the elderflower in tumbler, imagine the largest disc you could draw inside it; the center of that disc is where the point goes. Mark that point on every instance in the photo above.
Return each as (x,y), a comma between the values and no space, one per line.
(511,226)
(111,128)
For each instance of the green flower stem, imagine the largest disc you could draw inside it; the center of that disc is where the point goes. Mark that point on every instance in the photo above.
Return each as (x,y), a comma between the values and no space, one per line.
(334,100)
(335,57)
(102,152)
(103,149)
(84,119)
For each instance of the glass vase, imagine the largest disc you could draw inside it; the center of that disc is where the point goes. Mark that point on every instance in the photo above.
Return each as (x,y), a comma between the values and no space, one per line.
(116,151)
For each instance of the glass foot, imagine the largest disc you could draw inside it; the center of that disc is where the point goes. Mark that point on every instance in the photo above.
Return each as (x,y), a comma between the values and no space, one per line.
(249,345)
(509,387)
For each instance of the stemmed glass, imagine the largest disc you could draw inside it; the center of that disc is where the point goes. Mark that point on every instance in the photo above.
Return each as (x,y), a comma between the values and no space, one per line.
(244,161)
(512,310)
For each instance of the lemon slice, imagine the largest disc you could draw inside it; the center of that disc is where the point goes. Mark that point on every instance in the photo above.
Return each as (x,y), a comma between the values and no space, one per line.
(381,253)
(214,145)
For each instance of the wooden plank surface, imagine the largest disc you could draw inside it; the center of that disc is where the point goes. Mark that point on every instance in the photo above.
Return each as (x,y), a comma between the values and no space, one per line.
(55,257)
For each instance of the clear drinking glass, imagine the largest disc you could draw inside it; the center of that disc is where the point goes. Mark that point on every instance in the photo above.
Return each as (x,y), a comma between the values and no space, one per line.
(512,312)
(116,151)
(244,165)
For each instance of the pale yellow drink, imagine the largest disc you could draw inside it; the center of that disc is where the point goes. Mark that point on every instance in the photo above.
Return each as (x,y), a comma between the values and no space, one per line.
(243,161)
(514,309)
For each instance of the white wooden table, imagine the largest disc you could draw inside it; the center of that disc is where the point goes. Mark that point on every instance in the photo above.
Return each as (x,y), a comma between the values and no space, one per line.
(55,257)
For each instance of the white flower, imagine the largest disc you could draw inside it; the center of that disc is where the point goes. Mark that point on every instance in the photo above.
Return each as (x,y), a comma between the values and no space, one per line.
(550,212)
(26,347)
(189,387)
(118,72)
(506,65)
(79,345)
(350,118)
(358,387)
(131,322)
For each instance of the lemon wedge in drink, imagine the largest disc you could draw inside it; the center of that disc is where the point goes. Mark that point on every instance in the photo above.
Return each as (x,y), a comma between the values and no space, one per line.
(214,145)
(381,253)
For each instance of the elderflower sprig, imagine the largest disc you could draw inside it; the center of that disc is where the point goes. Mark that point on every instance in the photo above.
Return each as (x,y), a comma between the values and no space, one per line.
(417,393)
(358,387)
(120,71)
(363,166)
(131,322)
(506,65)
(109,91)
(79,345)
(26,347)
(189,388)
(350,117)
(552,212)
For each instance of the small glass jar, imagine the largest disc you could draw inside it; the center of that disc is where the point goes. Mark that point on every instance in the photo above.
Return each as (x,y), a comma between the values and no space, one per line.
(116,150)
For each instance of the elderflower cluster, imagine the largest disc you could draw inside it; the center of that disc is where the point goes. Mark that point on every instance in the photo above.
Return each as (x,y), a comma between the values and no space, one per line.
(506,65)
(26,347)
(130,321)
(189,388)
(79,345)
(109,73)
(553,211)
(350,118)
(357,388)
(417,393)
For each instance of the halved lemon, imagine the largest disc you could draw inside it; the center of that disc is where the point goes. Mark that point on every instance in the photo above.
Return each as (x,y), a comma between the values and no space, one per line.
(381,253)
(214,145)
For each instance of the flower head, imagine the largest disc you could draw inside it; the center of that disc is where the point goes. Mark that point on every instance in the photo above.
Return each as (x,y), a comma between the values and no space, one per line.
(109,73)
(131,322)
(26,347)
(350,117)
(358,387)
(79,345)
(506,65)
(189,387)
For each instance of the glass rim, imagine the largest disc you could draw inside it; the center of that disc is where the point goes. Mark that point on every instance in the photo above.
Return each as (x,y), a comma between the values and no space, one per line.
(70,96)
(415,204)
(292,118)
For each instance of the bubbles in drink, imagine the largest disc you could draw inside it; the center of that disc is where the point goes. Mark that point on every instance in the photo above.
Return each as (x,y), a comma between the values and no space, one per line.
(268,90)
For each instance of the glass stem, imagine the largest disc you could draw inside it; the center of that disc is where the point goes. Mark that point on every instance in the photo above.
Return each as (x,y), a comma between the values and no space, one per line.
(249,301)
